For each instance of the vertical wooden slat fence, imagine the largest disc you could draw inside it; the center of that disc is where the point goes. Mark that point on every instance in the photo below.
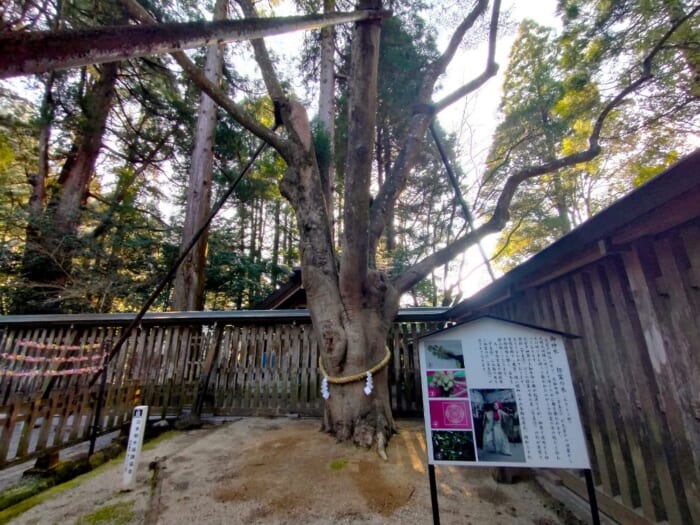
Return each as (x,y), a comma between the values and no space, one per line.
(636,369)
(212,361)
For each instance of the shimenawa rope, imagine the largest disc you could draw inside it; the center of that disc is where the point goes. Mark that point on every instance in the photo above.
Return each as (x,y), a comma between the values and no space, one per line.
(369,385)
(354,377)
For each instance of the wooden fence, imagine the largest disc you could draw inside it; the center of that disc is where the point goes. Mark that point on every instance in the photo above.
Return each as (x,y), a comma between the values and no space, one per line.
(636,369)
(234,363)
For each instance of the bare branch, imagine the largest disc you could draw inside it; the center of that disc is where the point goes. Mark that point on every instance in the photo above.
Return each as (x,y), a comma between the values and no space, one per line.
(491,66)
(407,280)
(423,116)
(500,216)
(439,66)
(263,57)
(459,197)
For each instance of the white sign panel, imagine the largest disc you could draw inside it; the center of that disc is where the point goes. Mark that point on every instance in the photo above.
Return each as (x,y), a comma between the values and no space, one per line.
(139,418)
(497,393)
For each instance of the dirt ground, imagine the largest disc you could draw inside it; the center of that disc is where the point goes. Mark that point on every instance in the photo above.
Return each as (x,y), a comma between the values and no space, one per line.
(284,471)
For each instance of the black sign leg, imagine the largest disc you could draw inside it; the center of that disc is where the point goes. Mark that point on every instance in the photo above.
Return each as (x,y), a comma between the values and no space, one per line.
(433,495)
(591,496)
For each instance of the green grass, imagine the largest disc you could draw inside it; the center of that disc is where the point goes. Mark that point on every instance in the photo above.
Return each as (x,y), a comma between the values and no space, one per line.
(23,506)
(20,492)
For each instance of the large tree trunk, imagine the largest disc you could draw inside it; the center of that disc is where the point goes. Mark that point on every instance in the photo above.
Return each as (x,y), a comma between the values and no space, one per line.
(188,294)
(52,241)
(352,307)
(350,413)
(27,52)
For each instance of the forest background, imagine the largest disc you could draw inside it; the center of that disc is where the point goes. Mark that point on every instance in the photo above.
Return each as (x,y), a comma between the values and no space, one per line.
(96,163)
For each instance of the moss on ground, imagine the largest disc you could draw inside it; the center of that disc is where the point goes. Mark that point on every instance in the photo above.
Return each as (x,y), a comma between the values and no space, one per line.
(339,464)
(33,490)
(26,489)
(23,506)
(120,513)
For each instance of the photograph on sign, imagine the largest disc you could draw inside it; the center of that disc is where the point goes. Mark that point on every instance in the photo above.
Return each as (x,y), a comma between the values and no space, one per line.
(445,354)
(447,383)
(498,393)
(453,445)
(497,425)
(448,414)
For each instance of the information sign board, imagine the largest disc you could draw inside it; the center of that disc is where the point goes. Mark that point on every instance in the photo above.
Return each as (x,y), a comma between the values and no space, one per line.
(498,393)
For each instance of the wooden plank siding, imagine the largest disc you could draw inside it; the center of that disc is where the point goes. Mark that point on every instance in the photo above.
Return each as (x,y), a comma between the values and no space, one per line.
(628,282)
(636,368)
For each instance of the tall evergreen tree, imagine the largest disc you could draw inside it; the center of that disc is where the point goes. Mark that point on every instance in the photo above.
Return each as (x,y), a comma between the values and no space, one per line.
(188,290)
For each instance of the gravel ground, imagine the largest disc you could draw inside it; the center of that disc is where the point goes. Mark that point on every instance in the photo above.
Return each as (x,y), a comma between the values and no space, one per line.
(284,471)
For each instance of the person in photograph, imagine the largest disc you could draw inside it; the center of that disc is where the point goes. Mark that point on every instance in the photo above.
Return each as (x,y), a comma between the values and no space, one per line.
(495,439)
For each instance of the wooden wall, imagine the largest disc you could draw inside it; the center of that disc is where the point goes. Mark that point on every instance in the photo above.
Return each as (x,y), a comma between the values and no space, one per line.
(636,368)
(47,398)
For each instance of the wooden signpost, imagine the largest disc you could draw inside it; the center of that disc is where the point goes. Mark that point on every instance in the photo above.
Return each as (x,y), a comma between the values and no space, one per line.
(139,419)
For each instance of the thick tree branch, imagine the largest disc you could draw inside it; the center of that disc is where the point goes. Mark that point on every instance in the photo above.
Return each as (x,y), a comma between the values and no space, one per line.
(23,53)
(215,92)
(292,114)
(263,57)
(385,200)
(500,216)
(439,66)
(408,279)
(362,113)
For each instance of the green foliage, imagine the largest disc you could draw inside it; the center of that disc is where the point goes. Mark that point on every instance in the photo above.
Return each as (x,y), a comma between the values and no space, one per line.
(322,146)
(128,234)
(554,89)
(234,279)
(18,162)
(406,49)
(646,171)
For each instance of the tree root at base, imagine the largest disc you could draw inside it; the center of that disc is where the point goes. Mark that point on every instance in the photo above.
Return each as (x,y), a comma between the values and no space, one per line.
(365,431)
(381,446)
